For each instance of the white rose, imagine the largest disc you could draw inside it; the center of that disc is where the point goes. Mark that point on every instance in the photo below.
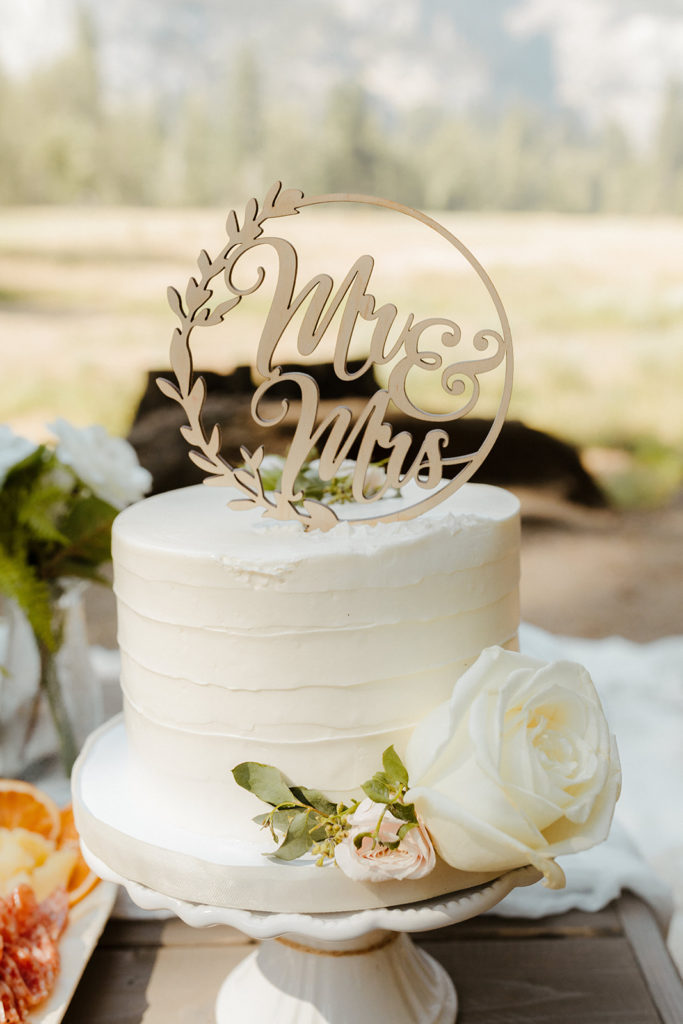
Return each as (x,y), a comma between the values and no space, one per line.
(345,471)
(371,862)
(517,768)
(107,465)
(13,450)
(372,482)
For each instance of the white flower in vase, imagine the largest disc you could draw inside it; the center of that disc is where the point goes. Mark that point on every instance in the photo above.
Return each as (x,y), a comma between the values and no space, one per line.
(13,450)
(56,512)
(108,465)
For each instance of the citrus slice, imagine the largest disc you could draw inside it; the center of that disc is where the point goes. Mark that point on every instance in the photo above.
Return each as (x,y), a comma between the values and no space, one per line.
(67,826)
(81,880)
(25,806)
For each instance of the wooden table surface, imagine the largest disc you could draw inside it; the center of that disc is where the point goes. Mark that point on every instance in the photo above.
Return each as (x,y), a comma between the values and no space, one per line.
(611,967)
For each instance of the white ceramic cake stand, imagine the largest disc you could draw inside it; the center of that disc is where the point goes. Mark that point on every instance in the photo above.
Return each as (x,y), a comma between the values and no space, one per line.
(358,966)
(312,968)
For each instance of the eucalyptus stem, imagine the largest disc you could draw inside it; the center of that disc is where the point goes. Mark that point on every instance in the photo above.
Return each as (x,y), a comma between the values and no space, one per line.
(49,683)
(378,827)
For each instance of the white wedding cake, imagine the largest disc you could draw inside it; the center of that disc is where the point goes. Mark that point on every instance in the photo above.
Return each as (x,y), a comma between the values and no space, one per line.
(345,671)
(245,639)
(253,651)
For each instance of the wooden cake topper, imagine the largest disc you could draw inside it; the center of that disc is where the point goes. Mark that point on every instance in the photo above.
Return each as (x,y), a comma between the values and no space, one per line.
(336,434)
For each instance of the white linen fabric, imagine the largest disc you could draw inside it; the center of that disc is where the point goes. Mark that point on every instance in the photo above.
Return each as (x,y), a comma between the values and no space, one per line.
(641,687)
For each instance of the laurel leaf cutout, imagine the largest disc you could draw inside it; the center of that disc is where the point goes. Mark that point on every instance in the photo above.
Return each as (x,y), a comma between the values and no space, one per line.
(245,479)
(216,315)
(168,389)
(199,388)
(275,512)
(202,461)
(204,263)
(189,434)
(215,440)
(232,227)
(195,399)
(257,457)
(320,517)
(251,230)
(250,211)
(271,196)
(181,361)
(224,477)
(203,296)
(193,293)
(242,503)
(287,202)
(175,302)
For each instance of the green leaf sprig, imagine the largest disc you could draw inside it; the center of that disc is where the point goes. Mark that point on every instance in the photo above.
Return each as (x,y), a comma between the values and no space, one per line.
(389,787)
(308,821)
(337,491)
(51,527)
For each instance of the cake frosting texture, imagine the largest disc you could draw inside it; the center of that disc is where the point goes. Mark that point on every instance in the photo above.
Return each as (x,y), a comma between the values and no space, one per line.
(247,639)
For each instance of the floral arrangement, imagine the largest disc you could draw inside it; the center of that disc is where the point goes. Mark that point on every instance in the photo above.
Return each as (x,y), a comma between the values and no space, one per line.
(338,490)
(517,768)
(57,505)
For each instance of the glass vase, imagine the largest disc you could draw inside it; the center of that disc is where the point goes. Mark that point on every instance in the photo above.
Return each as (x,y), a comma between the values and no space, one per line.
(49,700)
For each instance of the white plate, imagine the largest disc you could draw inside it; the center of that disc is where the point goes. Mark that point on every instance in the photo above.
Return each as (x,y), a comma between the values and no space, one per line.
(86,923)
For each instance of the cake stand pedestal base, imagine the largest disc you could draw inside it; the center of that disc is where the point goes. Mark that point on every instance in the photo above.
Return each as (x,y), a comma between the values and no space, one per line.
(356,967)
(380,976)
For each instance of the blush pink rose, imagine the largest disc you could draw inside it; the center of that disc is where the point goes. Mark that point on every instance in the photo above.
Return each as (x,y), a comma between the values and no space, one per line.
(414,858)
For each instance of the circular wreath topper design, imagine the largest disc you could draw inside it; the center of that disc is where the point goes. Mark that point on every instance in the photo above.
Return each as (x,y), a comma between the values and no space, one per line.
(337,433)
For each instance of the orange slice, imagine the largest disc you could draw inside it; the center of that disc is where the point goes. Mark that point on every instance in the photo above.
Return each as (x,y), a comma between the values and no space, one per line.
(24,806)
(81,880)
(67,826)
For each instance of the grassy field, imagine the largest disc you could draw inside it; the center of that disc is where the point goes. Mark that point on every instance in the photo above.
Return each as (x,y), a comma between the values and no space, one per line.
(595,304)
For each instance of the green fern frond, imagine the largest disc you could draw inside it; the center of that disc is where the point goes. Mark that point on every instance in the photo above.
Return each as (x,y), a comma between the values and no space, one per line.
(87,527)
(38,513)
(19,582)
(32,466)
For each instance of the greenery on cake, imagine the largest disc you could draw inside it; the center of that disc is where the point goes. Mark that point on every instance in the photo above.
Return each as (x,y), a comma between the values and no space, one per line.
(308,821)
(337,491)
(517,768)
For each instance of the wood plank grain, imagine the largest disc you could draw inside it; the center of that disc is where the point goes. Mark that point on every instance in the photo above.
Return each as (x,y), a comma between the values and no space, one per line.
(576,969)
(185,981)
(113,989)
(126,934)
(659,970)
(546,981)
(574,923)
(172,985)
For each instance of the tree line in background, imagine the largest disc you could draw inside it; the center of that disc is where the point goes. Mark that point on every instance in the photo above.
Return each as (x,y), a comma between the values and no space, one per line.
(62,142)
